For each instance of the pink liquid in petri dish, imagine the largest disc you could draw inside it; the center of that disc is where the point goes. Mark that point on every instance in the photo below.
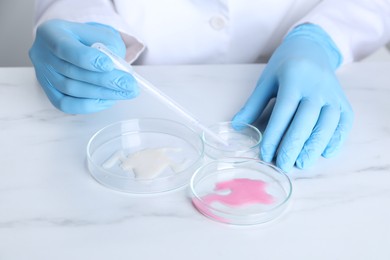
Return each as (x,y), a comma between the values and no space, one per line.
(243,192)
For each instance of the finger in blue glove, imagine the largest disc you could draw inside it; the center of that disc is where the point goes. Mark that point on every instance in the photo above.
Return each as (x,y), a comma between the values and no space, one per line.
(75,77)
(312,115)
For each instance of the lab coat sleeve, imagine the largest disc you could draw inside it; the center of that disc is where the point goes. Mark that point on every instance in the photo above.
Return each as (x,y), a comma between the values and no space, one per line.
(358,27)
(101,11)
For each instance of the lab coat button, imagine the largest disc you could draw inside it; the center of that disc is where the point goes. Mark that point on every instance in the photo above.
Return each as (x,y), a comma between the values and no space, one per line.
(217,22)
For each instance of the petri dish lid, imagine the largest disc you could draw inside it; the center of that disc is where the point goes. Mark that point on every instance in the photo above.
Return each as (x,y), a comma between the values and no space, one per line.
(242,140)
(240,192)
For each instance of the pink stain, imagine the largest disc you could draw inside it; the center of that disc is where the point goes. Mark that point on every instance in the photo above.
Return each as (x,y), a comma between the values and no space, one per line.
(243,192)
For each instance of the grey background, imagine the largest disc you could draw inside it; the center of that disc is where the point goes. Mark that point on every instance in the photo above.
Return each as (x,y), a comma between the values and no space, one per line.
(16,23)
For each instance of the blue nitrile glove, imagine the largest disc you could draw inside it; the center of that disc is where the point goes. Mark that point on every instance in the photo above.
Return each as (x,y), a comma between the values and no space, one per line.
(77,78)
(311,116)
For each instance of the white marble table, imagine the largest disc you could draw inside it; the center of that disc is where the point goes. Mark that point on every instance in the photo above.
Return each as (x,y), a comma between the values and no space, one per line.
(51,208)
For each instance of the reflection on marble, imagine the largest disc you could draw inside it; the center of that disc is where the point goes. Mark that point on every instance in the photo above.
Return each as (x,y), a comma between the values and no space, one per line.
(51,208)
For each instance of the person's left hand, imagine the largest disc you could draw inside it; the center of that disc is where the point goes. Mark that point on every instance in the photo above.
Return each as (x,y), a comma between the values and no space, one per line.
(311,116)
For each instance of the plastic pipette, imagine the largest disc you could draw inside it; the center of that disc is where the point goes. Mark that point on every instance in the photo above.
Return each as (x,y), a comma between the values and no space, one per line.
(121,64)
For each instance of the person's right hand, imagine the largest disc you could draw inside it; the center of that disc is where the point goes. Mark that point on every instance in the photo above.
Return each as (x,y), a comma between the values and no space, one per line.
(77,78)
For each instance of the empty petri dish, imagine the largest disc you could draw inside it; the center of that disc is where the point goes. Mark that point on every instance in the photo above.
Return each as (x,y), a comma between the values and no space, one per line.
(242,140)
(240,192)
(146,155)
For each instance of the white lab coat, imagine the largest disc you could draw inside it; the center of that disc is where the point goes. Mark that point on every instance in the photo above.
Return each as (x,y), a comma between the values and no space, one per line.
(222,31)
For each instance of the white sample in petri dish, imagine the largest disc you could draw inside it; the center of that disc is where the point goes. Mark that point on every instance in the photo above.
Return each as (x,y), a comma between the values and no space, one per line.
(146,164)
(146,155)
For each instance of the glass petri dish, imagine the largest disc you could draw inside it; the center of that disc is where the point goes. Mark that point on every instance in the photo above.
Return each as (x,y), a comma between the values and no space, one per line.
(240,192)
(146,155)
(242,140)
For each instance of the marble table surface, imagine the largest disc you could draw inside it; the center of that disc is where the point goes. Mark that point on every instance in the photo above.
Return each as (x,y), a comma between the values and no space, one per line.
(51,208)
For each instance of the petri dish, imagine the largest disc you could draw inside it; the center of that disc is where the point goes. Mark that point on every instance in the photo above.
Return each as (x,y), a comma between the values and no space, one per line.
(240,192)
(242,140)
(169,150)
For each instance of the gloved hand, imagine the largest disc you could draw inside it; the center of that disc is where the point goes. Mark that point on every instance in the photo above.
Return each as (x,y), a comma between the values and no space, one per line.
(75,77)
(311,116)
